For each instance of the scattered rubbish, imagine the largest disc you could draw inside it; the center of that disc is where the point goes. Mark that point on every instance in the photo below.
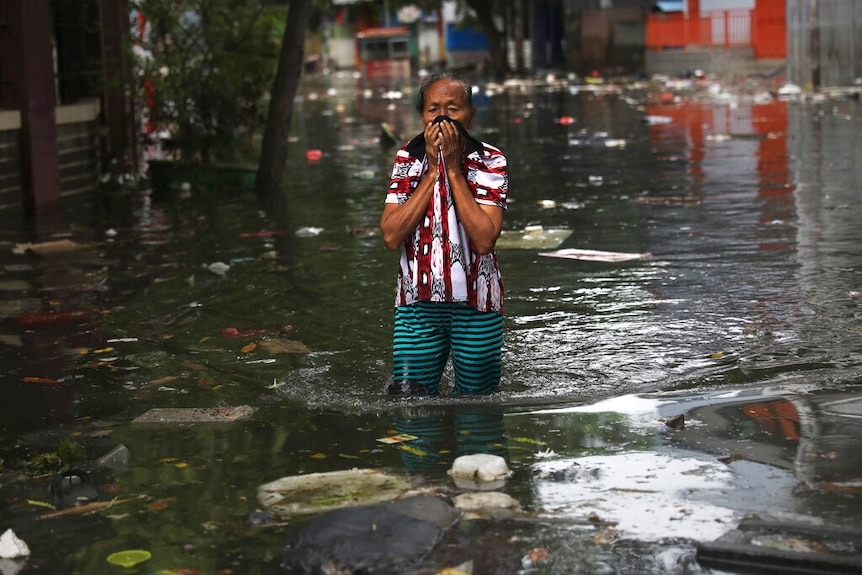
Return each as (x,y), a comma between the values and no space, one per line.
(465,568)
(596,255)
(262,234)
(565,120)
(11,547)
(277,346)
(313,156)
(548,204)
(789,90)
(599,140)
(47,248)
(234,332)
(116,458)
(129,558)
(656,120)
(397,438)
(196,414)
(13,340)
(259,518)
(52,318)
(391,537)
(596,180)
(533,237)
(45,380)
(677,422)
(320,492)
(482,471)
(73,488)
(308,232)
(218,268)
(87,508)
(485,501)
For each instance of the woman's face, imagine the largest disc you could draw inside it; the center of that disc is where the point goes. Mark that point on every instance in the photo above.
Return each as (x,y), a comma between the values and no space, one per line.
(446,97)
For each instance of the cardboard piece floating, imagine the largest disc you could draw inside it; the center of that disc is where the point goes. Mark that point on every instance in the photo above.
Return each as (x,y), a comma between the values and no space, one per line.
(596,255)
(195,414)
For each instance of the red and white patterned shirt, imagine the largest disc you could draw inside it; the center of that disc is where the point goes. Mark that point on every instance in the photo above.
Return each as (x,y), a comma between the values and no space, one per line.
(438,262)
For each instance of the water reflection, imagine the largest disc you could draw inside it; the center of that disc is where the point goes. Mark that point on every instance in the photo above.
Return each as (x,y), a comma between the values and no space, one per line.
(749,209)
(445,434)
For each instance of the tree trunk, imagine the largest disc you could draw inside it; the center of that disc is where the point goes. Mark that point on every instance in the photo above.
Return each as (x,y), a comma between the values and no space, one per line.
(273,153)
(485,14)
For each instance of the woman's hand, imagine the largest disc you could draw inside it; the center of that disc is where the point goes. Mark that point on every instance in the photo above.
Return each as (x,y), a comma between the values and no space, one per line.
(445,137)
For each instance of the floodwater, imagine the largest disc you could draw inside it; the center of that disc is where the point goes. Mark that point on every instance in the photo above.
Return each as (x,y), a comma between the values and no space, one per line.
(743,314)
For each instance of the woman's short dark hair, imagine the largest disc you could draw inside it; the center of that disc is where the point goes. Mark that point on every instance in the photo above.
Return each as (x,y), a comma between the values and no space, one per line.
(443,75)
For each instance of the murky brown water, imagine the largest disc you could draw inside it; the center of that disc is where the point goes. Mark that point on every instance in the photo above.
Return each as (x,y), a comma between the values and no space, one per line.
(750,213)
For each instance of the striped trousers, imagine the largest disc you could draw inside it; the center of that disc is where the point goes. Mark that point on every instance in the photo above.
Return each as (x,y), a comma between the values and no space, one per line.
(427,333)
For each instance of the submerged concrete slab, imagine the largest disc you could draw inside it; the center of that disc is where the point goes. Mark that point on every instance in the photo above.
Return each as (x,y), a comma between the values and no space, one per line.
(784,547)
(195,414)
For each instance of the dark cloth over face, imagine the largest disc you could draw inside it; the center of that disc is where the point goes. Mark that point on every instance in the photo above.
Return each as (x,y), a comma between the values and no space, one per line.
(416,147)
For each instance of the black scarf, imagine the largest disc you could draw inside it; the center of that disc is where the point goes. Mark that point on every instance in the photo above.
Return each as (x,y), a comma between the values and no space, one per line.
(416,146)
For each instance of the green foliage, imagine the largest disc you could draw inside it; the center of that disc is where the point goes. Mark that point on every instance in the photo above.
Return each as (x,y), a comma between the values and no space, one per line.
(207,66)
(70,453)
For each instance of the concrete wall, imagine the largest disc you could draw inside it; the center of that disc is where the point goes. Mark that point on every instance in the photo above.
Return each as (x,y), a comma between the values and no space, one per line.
(77,147)
(718,61)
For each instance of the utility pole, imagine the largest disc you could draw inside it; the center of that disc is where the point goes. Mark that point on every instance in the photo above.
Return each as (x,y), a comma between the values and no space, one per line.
(814,21)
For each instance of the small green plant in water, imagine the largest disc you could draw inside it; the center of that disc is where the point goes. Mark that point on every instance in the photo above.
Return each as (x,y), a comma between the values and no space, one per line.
(70,453)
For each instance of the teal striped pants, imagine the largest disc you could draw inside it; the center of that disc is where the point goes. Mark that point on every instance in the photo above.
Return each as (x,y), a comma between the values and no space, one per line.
(426,333)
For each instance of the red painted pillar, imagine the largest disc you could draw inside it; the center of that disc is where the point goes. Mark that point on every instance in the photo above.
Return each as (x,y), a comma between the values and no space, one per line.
(31,74)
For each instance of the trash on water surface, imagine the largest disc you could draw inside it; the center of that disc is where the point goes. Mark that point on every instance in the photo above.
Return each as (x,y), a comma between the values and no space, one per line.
(195,414)
(482,471)
(11,547)
(219,268)
(308,232)
(532,237)
(596,255)
(599,140)
(50,247)
(397,438)
(128,558)
(320,492)
(277,346)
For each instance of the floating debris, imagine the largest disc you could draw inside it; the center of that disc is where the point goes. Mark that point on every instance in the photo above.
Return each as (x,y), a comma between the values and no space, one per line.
(596,255)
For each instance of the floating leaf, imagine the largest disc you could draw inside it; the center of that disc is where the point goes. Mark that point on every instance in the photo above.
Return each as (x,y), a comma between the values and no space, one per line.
(397,438)
(38,380)
(129,558)
(160,504)
(413,450)
(528,440)
(40,503)
(318,456)
(249,348)
(348,456)
(537,554)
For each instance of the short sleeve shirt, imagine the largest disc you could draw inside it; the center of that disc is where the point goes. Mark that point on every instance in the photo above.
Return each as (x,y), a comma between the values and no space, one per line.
(438,262)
